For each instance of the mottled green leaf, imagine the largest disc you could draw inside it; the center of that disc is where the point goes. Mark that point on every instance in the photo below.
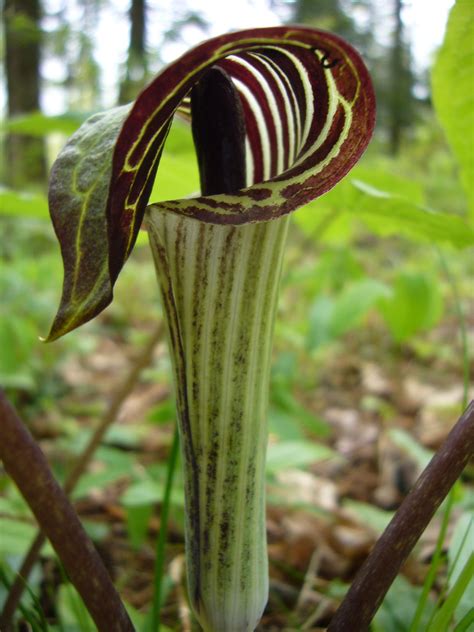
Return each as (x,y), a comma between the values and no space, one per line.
(79,187)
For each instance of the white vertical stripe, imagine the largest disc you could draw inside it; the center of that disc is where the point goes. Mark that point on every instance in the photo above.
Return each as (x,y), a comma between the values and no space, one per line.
(288,110)
(249,164)
(296,113)
(246,94)
(272,104)
(308,92)
(334,98)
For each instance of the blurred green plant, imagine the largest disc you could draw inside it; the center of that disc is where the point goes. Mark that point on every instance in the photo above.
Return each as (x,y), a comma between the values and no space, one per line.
(452,90)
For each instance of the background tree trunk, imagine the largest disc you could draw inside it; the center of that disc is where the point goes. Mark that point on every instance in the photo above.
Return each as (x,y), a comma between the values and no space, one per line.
(400,106)
(136,68)
(25,159)
(396,122)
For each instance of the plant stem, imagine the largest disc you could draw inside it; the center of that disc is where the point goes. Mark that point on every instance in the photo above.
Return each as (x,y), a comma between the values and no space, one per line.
(107,418)
(393,547)
(161,541)
(28,467)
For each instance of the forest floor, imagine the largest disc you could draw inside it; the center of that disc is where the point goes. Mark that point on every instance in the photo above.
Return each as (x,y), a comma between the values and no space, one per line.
(385,412)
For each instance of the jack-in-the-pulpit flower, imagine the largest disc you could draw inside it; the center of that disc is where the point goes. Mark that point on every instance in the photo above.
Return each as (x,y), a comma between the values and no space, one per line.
(279,116)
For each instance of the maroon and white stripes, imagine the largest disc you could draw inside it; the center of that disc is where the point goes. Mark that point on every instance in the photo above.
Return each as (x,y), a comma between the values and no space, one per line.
(309,111)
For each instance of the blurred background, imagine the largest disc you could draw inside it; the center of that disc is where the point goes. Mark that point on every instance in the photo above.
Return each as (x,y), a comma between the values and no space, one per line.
(371,359)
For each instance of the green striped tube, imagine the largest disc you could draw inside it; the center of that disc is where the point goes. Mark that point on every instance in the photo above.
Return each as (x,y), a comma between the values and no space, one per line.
(219,287)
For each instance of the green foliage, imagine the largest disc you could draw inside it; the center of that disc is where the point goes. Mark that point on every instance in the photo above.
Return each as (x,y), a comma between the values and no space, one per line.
(366,514)
(149,492)
(114,466)
(415,305)
(37,124)
(289,419)
(387,214)
(330,318)
(26,292)
(18,204)
(405,440)
(72,613)
(398,608)
(458,591)
(387,205)
(460,559)
(453,92)
(296,454)
(16,538)
(137,517)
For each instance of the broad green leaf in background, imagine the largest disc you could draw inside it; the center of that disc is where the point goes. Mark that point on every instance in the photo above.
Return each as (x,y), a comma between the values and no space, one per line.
(383,179)
(421,455)
(326,218)
(319,322)
(296,454)
(16,339)
(332,317)
(113,465)
(453,90)
(282,424)
(416,304)
(378,519)
(388,214)
(177,177)
(149,492)
(354,303)
(163,412)
(37,124)
(180,140)
(286,408)
(137,517)
(23,204)
(387,205)
(16,537)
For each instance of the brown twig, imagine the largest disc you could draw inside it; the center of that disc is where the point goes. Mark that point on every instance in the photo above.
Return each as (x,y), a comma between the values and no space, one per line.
(108,417)
(393,547)
(28,467)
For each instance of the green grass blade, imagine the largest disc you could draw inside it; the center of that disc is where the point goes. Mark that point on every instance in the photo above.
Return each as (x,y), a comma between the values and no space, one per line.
(465,624)
(444,615)
(154,624)
(435,563)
